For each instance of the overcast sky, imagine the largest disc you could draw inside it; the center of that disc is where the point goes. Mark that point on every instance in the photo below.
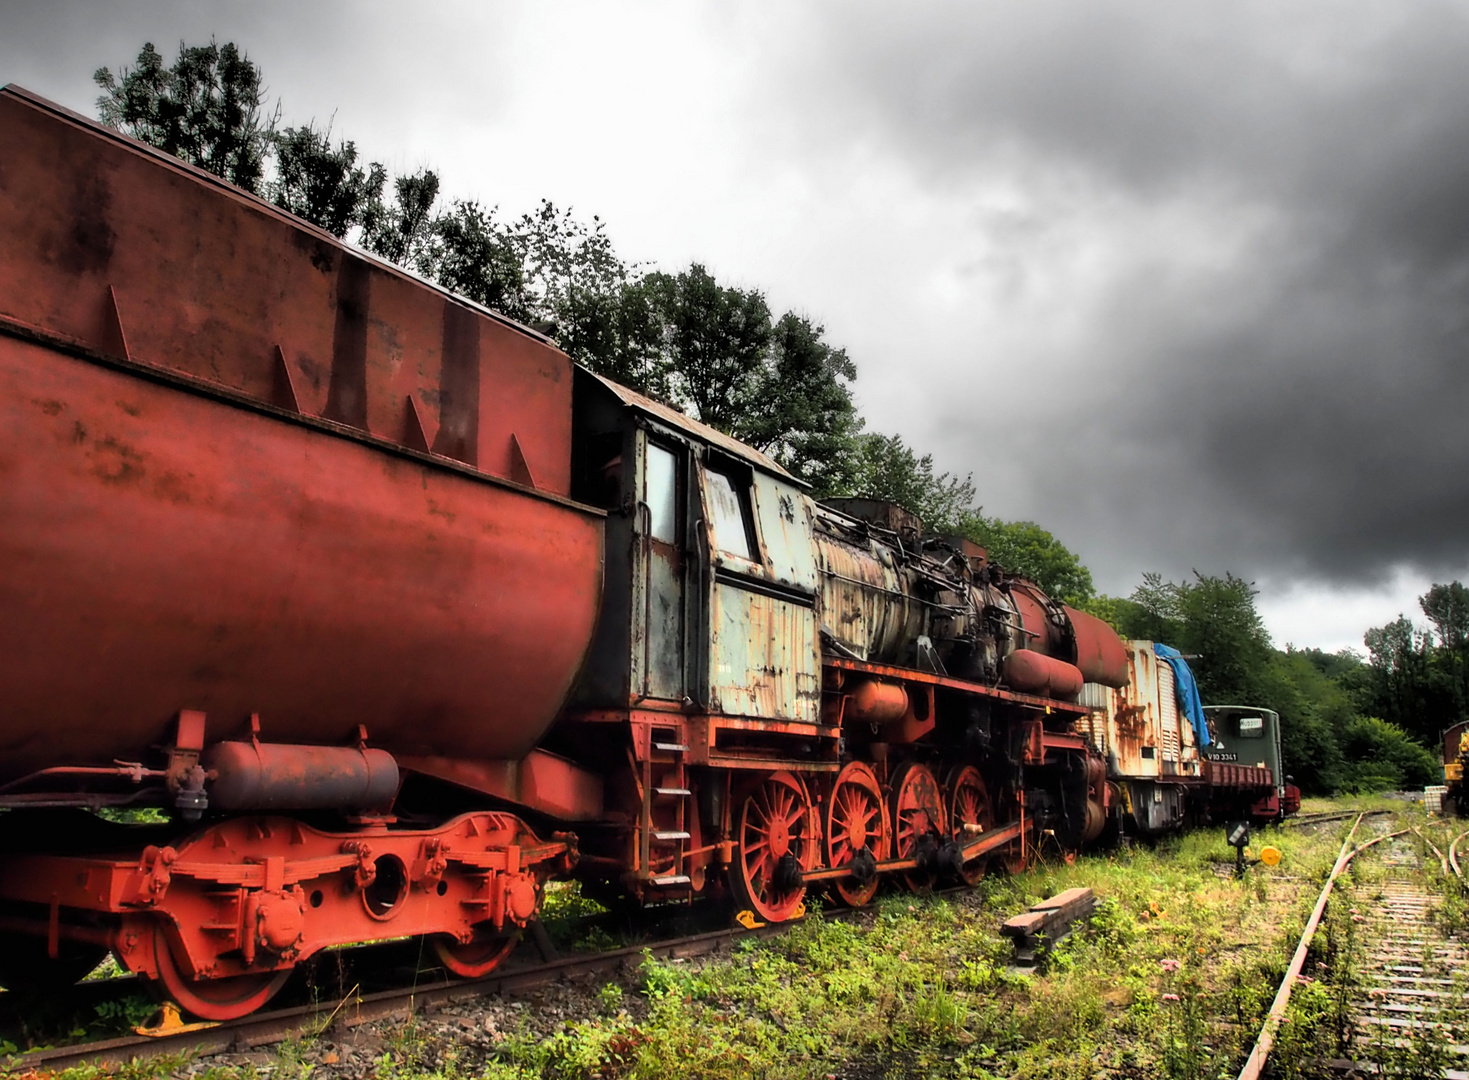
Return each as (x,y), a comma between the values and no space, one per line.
(1188,284)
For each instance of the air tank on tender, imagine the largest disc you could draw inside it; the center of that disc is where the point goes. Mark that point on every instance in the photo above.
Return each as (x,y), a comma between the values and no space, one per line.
(890,595)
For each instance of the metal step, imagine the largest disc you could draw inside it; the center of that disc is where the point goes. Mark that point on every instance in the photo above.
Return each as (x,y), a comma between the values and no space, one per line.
(679,792)
(670,836)
(671,747)
(672,879)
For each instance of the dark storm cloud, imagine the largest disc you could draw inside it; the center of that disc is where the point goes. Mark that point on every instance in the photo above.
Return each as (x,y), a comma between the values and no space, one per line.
(1322,432)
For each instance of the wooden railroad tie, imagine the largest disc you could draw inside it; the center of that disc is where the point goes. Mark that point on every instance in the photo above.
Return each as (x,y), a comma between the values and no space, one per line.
(1037,930)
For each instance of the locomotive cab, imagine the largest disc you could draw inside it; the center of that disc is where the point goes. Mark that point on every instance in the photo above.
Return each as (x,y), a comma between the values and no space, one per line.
(710,580)
(1246,737)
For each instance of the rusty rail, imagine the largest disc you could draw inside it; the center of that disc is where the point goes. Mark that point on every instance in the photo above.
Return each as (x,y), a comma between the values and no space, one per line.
(277,1024)
(1255,1064)
(1443,860)
(264,1028)
(1454,856)
(1323,818)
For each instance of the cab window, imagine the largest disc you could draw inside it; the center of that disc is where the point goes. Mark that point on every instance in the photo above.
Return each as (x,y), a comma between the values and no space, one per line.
(660,492)
(729,514)
(1251,727)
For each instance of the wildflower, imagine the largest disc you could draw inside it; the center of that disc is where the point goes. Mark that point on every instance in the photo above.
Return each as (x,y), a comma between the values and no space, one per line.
(1170,997)
(1170,965)
(1304,979)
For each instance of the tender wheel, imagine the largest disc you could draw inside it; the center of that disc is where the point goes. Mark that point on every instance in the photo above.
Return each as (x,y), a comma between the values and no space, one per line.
(479,956)
(970,815)
(919,823)
(27,968)
(856,832)
(772,824)
(227,998)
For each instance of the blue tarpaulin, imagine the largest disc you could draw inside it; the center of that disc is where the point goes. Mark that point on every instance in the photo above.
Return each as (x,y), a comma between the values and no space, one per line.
(1188,690)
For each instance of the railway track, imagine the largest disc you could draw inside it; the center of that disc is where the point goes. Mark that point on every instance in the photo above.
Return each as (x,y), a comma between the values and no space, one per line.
(355,1008)
(1405,1013)
(1400,1012)
(1300,820)
(275,1025)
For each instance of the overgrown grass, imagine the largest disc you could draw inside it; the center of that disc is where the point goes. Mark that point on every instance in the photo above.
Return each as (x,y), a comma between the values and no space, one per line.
(1170,979)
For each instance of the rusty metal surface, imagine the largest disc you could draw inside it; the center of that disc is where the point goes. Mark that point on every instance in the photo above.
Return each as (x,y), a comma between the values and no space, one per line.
(888,671)
(249,897)
(541,781)
(702,433)
(163,546)
(160,550)
(864,603)
(763,641)
(1140,726)
(119,247)
(783,524)
(762,657)
(269,776)
(1100,654)
(1035,673)
(659,623)
(888,515)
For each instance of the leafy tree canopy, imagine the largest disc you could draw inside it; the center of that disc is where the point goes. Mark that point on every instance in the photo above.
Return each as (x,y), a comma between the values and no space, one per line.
(1447,607)
(888,468)
(1023,547)
(716,337)
(1418,679)
(1211,618)
(205,108)
(799,405)
(321,182)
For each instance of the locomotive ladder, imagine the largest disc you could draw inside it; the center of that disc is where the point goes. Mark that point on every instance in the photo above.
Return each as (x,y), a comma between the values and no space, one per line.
(665,785)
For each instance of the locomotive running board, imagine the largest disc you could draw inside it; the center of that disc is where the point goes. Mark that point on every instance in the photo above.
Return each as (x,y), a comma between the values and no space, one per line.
(979,846)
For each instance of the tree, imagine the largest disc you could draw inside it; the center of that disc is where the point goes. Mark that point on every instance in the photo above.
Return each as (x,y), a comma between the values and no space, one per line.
(1313,710)
(564,258)
(1212,618)
(1447,607)
(715,337)
(800,407)
(1023,547)
(402,231)
(1382,757)
(619,335)
(888,468)
(468,252)
(322,183)
(205,109)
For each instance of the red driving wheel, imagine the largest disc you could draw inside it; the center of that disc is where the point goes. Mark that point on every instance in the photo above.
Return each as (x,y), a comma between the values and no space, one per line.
(855,822)
(773,846)
(918,813)
(970,815)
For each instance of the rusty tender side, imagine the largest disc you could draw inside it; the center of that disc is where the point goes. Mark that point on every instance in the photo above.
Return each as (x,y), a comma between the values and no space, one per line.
(390,615)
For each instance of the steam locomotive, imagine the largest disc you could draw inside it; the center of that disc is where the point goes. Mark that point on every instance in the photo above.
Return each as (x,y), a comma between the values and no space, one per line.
(391,615)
